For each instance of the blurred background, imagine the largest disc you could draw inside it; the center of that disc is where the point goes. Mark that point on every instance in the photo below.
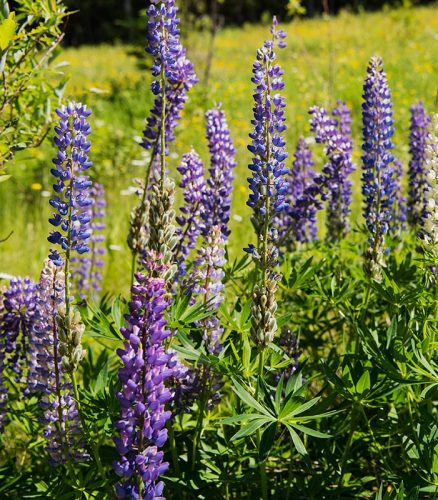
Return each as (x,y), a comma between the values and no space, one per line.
(102,62)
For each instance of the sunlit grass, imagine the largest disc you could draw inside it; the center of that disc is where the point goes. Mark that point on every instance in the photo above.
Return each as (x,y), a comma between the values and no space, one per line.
(325,60)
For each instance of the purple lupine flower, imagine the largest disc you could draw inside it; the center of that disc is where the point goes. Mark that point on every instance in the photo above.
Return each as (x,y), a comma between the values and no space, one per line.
(342,115)
(206,282)
(193,183)
(146,367)
(16,323)
(63,431)
(217,195)
(268,183)
(378,186)
(418,137)
(399,216)
(87,273)
(72,187)
(290,345)
(298,221)
(430,224)
(3,388)
(335,180)
(170,62)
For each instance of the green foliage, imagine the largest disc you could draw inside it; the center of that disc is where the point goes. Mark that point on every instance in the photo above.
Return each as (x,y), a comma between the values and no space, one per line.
(28,38)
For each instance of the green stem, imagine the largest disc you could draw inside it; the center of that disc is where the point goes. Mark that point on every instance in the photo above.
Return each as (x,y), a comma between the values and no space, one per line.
(353,425)
(262,465)
(173,449)
(200,421)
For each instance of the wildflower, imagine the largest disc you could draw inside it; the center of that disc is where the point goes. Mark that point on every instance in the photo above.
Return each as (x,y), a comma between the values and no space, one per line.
(217,195)
(335,180)
(72,199)
(267,184)
(298,222)
(378,186)
(193,184)
(86,273)
(16,323)
(172,69)
(399,215)
(418,137)
(430,226)
(146,367)
(47,375)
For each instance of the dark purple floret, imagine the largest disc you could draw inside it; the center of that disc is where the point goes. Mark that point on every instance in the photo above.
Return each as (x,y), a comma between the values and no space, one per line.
(146,368)
(378,178)
(418,184)
(217,195)
(87,271)
(71,219)
(298,221)
(170,63)
(336,182)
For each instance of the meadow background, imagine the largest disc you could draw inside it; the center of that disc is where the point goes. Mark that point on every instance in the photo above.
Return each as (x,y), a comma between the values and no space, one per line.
(325,60)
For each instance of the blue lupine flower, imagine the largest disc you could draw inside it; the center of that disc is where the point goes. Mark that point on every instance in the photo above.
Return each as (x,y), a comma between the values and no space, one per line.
(418,137)
(378,182)
(72,200)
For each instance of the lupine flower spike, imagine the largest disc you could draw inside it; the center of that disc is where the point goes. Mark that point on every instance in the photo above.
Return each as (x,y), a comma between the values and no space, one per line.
(17,320)
(267,184)
(378,183)
(146,367)
(298,222)
(87,273)
(48,377)
(430,227)
(217,195)
(72,217)
(418,138)
(335,180)
(192,182)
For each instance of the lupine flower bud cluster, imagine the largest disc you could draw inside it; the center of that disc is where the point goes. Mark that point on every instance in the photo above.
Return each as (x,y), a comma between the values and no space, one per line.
(418,138)
(172,69)
(146,367)
(338,149)
(87,273)
(70,331)
(138,233)
(378,185)
(72,187)
(298,221)
(163,236)
(217,195)
(264,310)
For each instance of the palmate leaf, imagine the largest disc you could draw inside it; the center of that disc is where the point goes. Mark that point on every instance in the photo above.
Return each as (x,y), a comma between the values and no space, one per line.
(251,428)
(267,441)
(246,397)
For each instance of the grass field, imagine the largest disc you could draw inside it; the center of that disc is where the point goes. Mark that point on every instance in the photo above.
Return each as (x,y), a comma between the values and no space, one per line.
(325,60)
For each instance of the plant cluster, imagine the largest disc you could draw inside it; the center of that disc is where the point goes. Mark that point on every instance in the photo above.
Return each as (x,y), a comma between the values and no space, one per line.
(306,368)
